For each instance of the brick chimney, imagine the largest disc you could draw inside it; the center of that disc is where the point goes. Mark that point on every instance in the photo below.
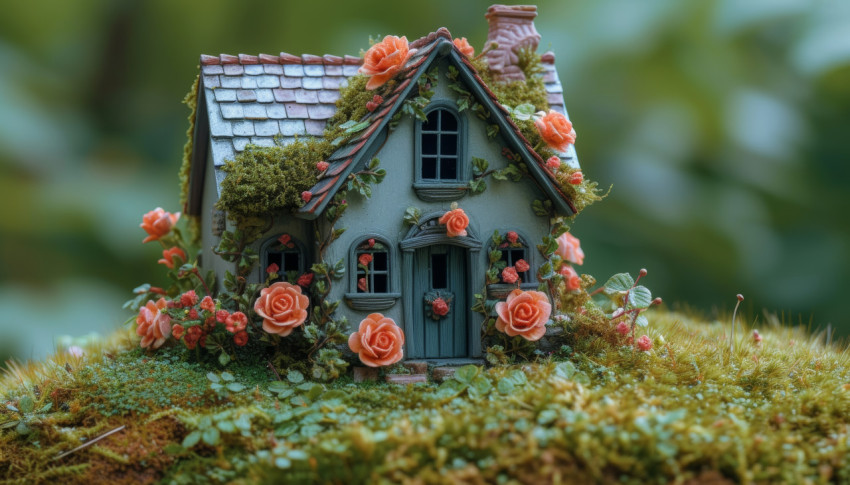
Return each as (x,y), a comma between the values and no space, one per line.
(512,27)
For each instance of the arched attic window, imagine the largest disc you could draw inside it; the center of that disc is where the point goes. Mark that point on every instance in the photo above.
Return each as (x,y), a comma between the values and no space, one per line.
(442,172)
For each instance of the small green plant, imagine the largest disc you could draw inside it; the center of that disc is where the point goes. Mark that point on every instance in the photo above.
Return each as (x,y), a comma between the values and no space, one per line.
(224,383)
(26,417)
(209,428)
(468,378)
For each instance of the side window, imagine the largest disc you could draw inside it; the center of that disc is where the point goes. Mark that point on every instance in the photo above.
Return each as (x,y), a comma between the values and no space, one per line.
(373,267)
(513,252)
(287,254)
(439,147)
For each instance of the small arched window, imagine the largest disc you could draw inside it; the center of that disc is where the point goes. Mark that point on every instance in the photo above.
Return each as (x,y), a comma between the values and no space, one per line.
(372,258)
(513,251)
(285,252)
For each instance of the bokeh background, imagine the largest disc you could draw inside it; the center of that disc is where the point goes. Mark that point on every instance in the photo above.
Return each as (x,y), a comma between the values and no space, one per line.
(722,125)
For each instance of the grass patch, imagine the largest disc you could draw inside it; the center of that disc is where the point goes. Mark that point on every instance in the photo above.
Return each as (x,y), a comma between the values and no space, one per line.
(595,411)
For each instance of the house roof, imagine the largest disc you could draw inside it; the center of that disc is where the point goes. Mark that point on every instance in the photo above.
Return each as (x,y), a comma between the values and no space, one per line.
(253,99)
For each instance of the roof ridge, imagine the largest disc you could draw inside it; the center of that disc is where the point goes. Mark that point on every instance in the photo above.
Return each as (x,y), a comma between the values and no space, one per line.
(429,38)
(283,58)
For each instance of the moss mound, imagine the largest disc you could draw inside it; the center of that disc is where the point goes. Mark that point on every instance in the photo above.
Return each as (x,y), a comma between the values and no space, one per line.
(593,411)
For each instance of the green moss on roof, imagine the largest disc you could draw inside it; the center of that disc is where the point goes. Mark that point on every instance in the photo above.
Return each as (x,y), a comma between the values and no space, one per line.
(269,180)
(191,102)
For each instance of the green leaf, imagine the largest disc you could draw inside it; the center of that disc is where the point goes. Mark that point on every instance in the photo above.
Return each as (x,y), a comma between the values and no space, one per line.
(26,405)
(224,358)
(173,449)
(235,387)
(282,463)
(517,377)
(226,426)
(619,282)
(466,374)
(191,439)
(297,454)
(477,186)
(565,370)
(537,207)
(294,376)
(523,112)
(285,430)
(213,378)
(505,386)
(211,436)
(45,408)
(278,386)
(22,428)
(12,408)
(480,387)
(243,422)
(348,124)
(450,388)
(640,297)
(480,165)
(642,321)
(227,376)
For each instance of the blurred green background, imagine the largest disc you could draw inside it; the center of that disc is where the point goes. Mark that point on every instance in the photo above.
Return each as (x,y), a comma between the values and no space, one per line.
(723,126)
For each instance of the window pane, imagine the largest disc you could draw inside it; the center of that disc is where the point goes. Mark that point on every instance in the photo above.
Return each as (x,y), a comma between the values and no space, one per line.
(290,262)
(516,255)
(429,143)
(429,168)
(448,145)
(448,169)
(379,263)
(449,122)
(433,121)
(381,284)
(274,258)
(439,271)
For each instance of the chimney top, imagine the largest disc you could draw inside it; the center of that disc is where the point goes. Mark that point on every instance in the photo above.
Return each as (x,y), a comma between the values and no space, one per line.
(512,28)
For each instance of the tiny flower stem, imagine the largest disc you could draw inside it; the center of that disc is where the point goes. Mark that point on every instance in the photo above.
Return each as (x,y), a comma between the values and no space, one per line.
(198,274)
(734,314)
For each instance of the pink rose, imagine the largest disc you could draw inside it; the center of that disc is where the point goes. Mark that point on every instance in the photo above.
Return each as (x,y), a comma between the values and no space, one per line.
(569,249)
(221,316)
(371,242)
(524,313)
(364,259)
(241,338)
(440,307)
(756,336)
(644,343)
(509,275)
(553,162)
(384,60)
(168,256)
(208,304)
(306,195)
(571,278)
(556,130)
(283,308)
(623,328)
(512,237)
(190,298)
(522,266)
(285,240)
(378,341)
(177,330)
(272,268)
(153,324)
(463,46)
(236,322)
(322,166)
(305,279)
(576,178)
(456,222)
(158,223)
(362,284)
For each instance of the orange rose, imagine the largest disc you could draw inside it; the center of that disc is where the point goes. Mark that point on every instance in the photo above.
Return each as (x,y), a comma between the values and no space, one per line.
(524,313)
(456,222)
(384,59)
(282,307)
(463,46)
(158,223)
(569,248)
(556,130)
(571,278)
(378,341)
(169,254)
(153,324)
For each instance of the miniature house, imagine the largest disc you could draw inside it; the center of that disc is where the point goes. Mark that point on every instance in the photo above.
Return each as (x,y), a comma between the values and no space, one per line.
(249,99)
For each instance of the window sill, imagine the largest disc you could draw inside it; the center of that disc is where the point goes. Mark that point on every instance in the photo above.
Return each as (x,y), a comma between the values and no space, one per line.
(371,301)
(440,191)
(500,291)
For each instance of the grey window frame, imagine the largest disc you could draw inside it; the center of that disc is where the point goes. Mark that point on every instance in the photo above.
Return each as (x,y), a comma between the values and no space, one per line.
(442,189)
(264,255)
(372,301)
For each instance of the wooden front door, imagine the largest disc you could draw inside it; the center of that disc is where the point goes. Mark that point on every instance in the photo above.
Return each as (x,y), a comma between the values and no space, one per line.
(439,272)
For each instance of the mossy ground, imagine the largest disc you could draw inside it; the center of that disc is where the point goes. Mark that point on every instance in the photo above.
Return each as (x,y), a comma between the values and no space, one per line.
(687,411)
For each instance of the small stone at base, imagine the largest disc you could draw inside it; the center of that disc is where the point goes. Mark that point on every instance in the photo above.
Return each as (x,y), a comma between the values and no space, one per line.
(362,374)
